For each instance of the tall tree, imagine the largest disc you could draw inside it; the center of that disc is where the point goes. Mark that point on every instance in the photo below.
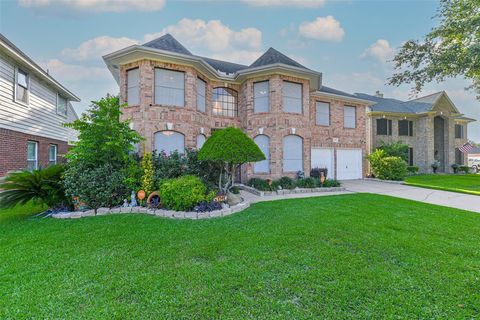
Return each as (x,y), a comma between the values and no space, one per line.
(451,49)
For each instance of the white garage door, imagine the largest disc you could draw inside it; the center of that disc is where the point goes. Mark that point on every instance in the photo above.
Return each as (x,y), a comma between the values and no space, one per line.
(323,158)
(349,164)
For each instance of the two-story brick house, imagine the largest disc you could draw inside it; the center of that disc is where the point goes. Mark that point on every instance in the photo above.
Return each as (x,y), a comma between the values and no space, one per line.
(432,126)
(177,99)
(33,108)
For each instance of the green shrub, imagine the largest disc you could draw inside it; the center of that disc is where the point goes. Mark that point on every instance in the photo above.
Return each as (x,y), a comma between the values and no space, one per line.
(386,167)
(286,183)
(464,169)
(412,169)
(183,193)
(317,172)
(306,183)
(395,149)
(42,186)
(235,190)
(259,184)
(330,183)
(148,172)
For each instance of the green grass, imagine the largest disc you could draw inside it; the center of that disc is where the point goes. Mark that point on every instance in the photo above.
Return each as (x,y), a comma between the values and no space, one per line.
(468,183)
(348,256)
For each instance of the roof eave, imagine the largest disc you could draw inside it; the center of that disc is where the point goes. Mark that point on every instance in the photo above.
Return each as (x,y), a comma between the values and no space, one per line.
(397,114)
(368,103)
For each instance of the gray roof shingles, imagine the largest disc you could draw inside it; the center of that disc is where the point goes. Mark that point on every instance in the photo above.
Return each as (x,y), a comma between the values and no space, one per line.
(272,56)
(394,105)
(168,43)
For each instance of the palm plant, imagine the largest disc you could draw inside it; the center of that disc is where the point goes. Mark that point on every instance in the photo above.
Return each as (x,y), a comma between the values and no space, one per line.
(42,186)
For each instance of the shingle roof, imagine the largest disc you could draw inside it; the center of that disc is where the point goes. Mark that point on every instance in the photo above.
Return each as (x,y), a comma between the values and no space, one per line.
(168,43)
(224,66)
(272,56)
(394,105)
(337,92)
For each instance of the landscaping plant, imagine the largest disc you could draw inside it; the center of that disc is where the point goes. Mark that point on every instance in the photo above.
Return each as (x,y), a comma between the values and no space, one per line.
(412,169)
(148,171)
(387,167)
(231,148)
(308,182)
(184,193)
(395,149)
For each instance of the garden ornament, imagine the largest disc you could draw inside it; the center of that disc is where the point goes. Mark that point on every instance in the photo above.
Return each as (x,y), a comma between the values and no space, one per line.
(125,203)
(133,202)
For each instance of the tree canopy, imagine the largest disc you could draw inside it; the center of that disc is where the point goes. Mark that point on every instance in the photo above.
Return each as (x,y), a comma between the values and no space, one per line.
(451,49)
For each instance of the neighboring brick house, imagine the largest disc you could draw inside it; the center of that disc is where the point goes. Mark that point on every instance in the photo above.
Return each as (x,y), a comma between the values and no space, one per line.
(432,126)
(33,107)
(177,99)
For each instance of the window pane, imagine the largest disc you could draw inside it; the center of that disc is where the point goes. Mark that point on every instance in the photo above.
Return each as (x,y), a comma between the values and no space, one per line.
(349,117)
(52,154)
(403,127)
(169,88)
(292,97)
(292,153)
(32,155)
(225,102)
(169,141)
(200,141)
(22,79)
(133,86)
(263,142)
(260,97)
(21,94)
(201,92)
(323,113)
(61,105)
(382,126)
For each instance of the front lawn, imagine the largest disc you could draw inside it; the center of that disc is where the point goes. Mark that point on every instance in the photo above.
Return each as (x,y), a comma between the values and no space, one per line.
(348,256)
(468,183)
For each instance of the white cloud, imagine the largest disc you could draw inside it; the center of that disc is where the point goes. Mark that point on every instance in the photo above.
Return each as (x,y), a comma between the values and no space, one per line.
(380,50)
(73,72)
(97,47)
(322,28)
(286,3)
(96,5)
(215,39)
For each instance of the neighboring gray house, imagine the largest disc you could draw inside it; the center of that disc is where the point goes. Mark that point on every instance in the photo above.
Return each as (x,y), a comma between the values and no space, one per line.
(432,126)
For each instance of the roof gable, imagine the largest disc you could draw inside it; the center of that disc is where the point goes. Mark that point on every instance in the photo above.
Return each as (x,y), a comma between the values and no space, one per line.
(168,43)
(272,56)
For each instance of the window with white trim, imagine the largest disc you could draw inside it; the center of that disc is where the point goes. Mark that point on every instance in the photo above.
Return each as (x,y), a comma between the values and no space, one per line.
(225,102)
(292,153)
(169,87)
(61,105)
(52,154)
(322,113)
(349,117)
(133,87)
(22,86)
(201,94)
(260,96)
(292,97)
(169,141)
(32,155)
(263,142)
(200,141)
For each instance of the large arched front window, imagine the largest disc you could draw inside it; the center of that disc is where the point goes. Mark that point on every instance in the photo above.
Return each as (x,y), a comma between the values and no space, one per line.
(169,141)
(292,153)
(225,102)
(263,142)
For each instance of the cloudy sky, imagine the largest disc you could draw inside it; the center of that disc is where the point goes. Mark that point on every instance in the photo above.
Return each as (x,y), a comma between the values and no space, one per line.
(351,42)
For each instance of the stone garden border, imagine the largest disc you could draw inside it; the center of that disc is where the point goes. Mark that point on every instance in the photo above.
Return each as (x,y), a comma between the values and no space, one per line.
(192,215)
(386,181)
(288,191)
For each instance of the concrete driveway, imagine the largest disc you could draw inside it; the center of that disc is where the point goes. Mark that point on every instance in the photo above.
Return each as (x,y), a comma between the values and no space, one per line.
(443,198)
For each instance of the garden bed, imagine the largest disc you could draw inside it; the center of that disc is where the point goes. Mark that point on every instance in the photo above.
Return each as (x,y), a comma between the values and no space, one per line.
(156,212)
(289,191)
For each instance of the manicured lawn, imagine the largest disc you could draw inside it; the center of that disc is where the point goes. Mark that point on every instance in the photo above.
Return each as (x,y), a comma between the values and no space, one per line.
(468,183)
(349,256)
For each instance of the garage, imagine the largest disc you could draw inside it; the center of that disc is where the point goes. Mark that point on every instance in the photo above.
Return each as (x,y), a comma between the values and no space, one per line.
(349,164)
(323,158)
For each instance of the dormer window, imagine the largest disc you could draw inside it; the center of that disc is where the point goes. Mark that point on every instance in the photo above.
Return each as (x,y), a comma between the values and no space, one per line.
(22,86)
(225,102)
(61,105)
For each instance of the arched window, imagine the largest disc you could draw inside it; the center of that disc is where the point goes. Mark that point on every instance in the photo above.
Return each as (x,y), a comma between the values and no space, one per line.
(169,141)
(225,102)
(200,141)
(292,153)
(263,142)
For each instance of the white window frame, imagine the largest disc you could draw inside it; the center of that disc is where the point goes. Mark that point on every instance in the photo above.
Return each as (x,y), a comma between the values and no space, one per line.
(318,114)
(345,117)
(35,143)
(259,165)
(201,97)
(284,97)
(159,85)
(58,104)
(260,97)
(131,86)
(16,84)
(50,160)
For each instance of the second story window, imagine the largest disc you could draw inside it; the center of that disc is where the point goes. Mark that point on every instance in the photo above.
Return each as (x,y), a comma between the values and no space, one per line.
(405,128)
(260,97)
(225,102)
(61,105)
(292,97)
(322,113)
(133,87)
(169,88)
(384,127)
(349,117)
(201,93)
(22,86)
(459,131)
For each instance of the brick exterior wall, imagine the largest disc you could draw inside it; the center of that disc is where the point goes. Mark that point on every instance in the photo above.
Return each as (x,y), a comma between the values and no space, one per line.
(149,118)
(13,150)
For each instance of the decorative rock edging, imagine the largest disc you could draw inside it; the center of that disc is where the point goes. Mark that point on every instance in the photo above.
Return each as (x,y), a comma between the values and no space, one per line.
(192,215)
(385,181)
(288,191)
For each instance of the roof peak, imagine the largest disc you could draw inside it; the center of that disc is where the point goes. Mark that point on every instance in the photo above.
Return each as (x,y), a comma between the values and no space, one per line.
(273,56)
(167,42)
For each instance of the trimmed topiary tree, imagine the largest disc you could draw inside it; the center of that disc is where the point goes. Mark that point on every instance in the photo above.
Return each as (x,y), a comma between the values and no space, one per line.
(231,148)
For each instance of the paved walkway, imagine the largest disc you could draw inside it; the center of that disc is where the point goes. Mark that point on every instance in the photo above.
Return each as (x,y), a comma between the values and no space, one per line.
(443,198)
